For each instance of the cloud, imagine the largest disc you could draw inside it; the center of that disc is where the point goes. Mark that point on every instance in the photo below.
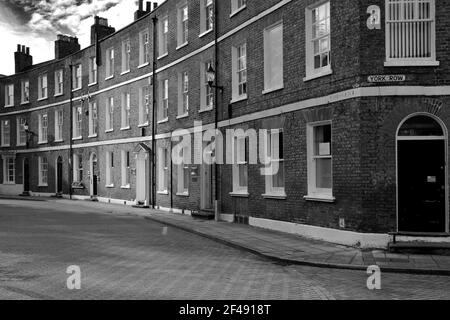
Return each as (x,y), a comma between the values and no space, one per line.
(36,24)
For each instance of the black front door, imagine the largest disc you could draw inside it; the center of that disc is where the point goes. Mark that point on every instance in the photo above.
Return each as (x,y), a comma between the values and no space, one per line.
(26,176)
(59,181)
(421,186)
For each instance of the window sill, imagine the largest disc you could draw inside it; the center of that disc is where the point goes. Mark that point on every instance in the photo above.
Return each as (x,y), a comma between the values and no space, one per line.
(42,99)
(109,186)
(109,131)
(205,110)
(125,128)
(76,89)
(275,196)
(125,72)
(320,198)
(240,194)
(77,138)
(183,194)
(183,116)
(9,106)
(143,65)
(143,125)
(24,144)
(164,193)
(411,63)
(235,12)
(5,146)
(163,121)
(319,74)
(125,187)
(42,142)
(25,102)
(42,185)
(93,136)
(8,183)
(58,141)
(204,33)
(109,78)
(163,56)
(267,91)
(238,99)
(58,95)
(182,45)
(92,84)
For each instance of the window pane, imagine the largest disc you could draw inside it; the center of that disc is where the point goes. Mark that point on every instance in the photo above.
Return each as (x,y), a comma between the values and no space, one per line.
(323,173)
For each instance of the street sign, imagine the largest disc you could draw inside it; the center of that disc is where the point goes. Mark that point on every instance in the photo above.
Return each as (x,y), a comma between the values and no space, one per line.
(387,78)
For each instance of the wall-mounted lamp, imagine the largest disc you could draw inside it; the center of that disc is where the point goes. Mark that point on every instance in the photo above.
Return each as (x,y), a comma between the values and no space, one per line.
(211,76)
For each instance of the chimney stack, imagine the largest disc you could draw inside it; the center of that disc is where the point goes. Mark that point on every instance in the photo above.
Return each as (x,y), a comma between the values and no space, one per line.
(100,29)
(22,58)
(65,45)
(140,11)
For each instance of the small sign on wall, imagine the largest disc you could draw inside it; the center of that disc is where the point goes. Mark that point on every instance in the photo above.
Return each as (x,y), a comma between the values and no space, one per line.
(374,20)
(387,78)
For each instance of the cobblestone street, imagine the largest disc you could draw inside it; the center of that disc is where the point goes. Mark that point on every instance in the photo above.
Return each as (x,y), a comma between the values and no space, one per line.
(123,256)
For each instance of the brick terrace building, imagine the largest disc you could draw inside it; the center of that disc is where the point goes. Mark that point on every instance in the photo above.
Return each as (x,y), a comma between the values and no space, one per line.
(356,91)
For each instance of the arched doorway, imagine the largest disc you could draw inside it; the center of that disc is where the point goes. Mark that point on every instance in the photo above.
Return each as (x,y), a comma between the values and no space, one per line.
(59,176)
(422,205)
(93,168)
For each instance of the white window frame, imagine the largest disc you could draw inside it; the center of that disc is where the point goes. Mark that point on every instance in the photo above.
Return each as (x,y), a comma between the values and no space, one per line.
(6,133)
(25,91)
(206,17)
(126,56)
(144,105)
(93,71)
(77,168)
(182,25)
(239,67)
(59,122)
(126,170)
(163,37)
(126,111)
(144,46)
(237,6)
(183,172)
(206,92)
(9,95)
(390,43)
(43,128)
(163,170)
(77,76)
(273,63)
(109,115)
(42,87)
(9,178)
(59,82)
(163,105)
(21,134)
(273,150)
(314,193)
(93,119)
(77,122)
(311,71)
(240,161)
(109,179)
(43,171)
(110,60)
(183,94)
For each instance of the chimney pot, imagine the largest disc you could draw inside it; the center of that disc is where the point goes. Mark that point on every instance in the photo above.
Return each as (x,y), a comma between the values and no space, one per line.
(155,5)
(18,48)
(148,7)
(141,4)
(27,50)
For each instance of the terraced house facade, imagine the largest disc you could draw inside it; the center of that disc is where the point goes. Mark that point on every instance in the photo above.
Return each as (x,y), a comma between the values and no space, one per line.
(354,95)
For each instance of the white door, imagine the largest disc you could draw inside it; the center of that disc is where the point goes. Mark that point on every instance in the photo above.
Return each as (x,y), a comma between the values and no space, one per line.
(207,200)
(141,178)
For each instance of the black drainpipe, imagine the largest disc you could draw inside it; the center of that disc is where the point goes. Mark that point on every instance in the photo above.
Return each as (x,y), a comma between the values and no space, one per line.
(216,112)
(155,22)
(71,132)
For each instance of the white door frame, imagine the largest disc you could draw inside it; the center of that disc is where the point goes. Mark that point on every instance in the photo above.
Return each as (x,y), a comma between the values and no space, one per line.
(145,158)
(424,138)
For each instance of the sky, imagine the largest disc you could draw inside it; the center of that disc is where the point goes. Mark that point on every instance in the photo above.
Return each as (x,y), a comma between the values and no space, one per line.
(36,23)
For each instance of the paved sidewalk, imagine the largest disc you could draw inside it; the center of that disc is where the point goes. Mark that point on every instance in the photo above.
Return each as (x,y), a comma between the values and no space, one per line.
(282,247)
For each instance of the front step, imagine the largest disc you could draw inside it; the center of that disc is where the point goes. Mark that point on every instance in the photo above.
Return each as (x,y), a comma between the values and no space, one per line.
(203,214)
(438,248)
